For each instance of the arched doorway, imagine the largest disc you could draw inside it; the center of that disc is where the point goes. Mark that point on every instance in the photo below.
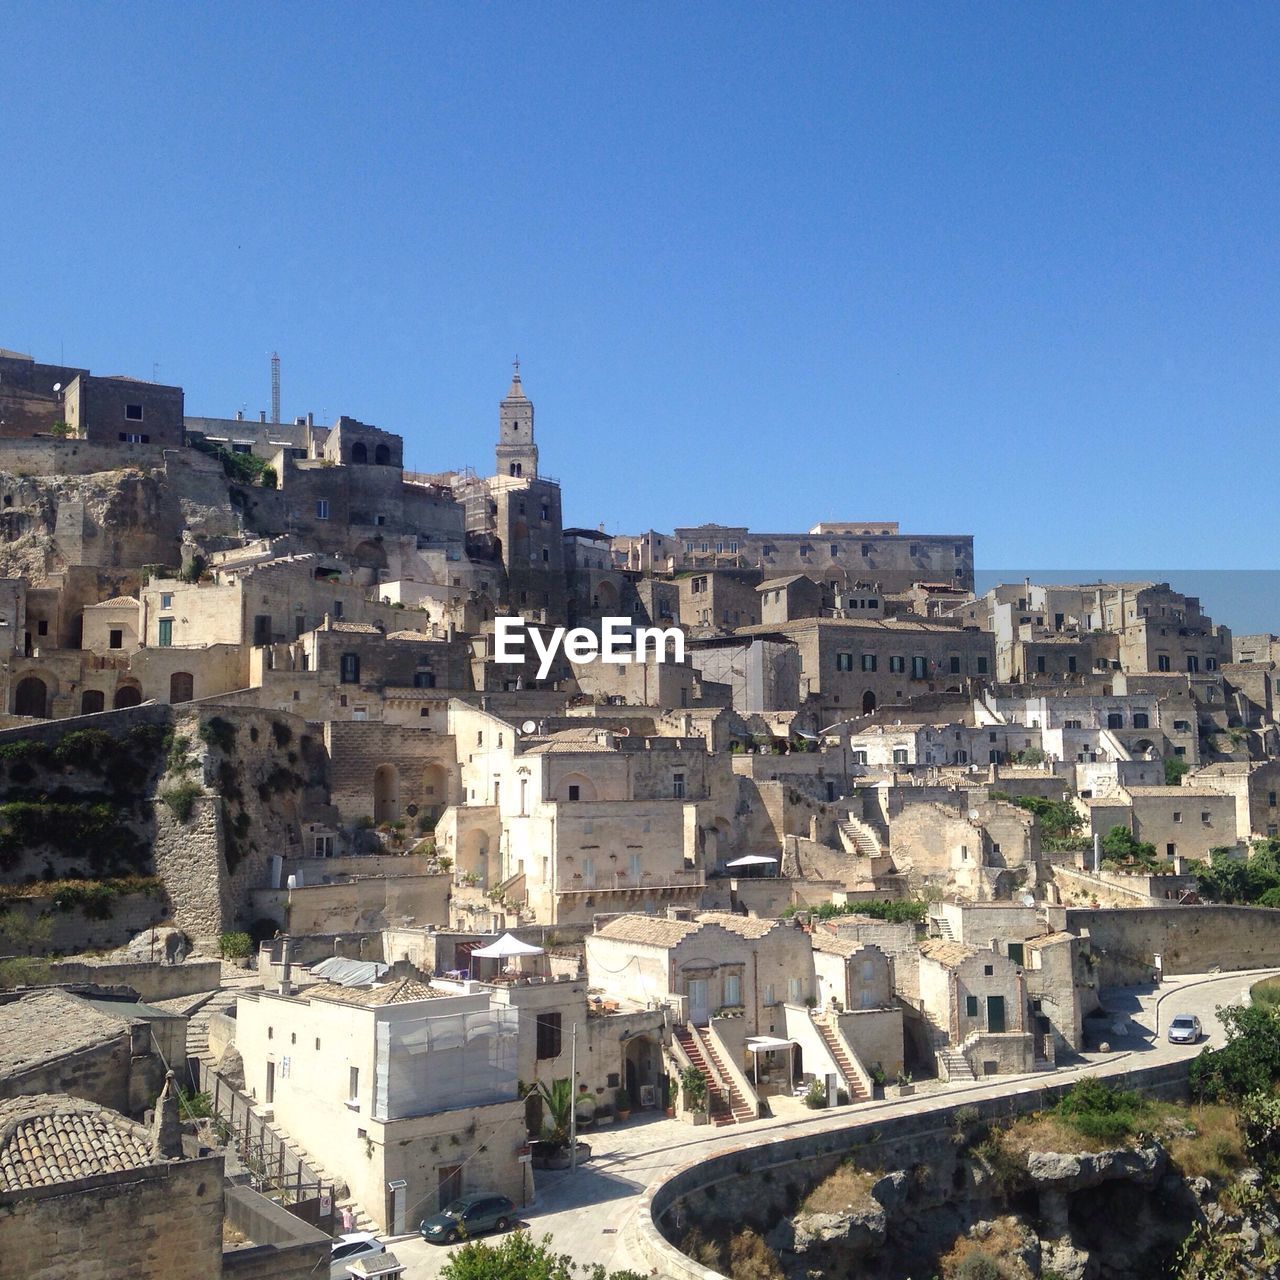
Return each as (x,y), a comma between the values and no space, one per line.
(182,687)
(92,701)
(868,702)
(386,794)
(127,695)
(359,453)
(31,697)
(435,795)
(641,1067)
(370,554)
(607,594)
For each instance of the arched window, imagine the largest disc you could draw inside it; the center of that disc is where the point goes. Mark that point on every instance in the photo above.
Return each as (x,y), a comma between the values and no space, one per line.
(92,701)
(359,453)
(127,695)
(382,456)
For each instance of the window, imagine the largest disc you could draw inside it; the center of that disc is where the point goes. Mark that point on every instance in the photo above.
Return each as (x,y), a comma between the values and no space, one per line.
(732,989)
(768,994)
(900,755)
(549,1035)
(132,437)
(982,664)
(424,679)
(322,508)
(165,636)
(589,872)
(677,786)
(115,639)
(868,662)
(1171,850)
(915,549)
(1205,816)
(733,548)
(634,869)
(1141,720)
(133,413)
(353,1086)
(1182,726)
(1071,664)
(858,757)
(971,1006)
(1193,663)
(955,664)
(919,668)
(835,550)
(575,791)
(844,662)
(1271,799)
(795,990)
(1162,662)
(166,599)
(1016,953)
(897,664)
(349,667)
(988,970)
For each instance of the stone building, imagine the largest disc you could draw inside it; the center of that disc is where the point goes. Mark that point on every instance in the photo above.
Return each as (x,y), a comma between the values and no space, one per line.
(85,1192)
(405,1092)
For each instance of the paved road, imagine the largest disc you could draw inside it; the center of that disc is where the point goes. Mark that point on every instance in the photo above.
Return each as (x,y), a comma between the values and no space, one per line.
(585,1212)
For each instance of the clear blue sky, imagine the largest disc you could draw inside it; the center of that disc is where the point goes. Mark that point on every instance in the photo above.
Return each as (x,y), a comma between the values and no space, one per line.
(1002,269)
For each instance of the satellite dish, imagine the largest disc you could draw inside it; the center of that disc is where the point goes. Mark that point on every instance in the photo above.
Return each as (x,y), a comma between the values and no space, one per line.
(1028,900)
(57,386)
(529,726)
(624,732)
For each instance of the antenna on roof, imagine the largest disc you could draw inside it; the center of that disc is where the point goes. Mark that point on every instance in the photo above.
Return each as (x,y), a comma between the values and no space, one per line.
(529,726)
(275,386)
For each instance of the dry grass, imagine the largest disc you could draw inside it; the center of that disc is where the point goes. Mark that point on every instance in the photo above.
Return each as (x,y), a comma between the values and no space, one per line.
(1046,1132)
(847,1188)
(1214,1148)
(999,1245)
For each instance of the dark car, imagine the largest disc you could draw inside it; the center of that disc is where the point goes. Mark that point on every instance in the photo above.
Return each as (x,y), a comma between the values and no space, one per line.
(468,1217)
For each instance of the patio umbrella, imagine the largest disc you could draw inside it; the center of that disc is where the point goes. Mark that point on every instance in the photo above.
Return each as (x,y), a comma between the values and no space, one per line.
(756,861)
(506,947)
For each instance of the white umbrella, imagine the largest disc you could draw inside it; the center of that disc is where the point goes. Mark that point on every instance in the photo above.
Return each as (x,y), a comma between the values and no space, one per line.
(506,947)
(751,860)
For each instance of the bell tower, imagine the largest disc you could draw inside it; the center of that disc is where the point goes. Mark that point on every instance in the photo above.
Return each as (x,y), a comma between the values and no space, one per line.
(517,454)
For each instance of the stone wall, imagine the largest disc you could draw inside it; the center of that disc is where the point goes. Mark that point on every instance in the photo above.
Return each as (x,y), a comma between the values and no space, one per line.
(119,1226)
(35,927)
(359,905)
(754,1183)
(1188,939)
(284,1246)
(151,981)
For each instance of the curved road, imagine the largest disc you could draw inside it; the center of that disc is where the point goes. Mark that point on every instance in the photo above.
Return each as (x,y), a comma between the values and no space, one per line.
(585,1212)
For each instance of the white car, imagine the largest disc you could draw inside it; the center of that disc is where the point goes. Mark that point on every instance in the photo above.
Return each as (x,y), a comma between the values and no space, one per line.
(347,1249)
(1185,1029)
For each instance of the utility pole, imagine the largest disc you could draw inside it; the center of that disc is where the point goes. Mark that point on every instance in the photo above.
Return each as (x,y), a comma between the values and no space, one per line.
(275,386)
(573,1099)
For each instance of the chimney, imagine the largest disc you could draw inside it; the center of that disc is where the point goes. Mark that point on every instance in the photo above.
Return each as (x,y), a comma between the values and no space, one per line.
(311,419)
(286,966)
(262,415)
(239,415)
(166,1125)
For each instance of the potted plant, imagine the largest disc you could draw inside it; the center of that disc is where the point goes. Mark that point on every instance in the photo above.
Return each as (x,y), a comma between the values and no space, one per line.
(622,1104)
(673,1096)
(903,1088)
(695,1094)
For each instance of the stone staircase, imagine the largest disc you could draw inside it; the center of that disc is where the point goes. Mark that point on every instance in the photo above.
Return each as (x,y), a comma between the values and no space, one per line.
(221,1001)
(720,1104)
(945,930)
(741,1110)
(835,1047)
(859,838)
(955,1066)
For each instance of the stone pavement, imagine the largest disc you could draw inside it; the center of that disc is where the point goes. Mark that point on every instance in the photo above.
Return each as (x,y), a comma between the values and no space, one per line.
(586,1212)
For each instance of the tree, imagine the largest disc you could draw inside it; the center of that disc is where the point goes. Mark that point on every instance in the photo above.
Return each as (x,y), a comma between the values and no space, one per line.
(1174,768)
(558,1100)
(520,1257)
(1248,1063)
(1120,846)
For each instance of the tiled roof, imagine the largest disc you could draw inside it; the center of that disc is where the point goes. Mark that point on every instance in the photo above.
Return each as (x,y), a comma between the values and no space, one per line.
(1177,793)
(356,628)
(649,931)
(401,991)
(657,931)
(568,741)
(47,1139)
(422,636)
(833,944)
(1050,939)
(946,953)
(48,1024)
(116,602)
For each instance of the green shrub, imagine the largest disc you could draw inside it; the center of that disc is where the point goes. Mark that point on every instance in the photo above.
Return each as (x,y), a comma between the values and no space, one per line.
(181,798)
(234,946)
(1099,1112)
(219,733)
(816,1097)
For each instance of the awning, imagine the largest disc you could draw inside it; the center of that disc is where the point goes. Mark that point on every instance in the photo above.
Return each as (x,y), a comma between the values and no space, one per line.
(506,947)
(751,860)
(767,1044)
